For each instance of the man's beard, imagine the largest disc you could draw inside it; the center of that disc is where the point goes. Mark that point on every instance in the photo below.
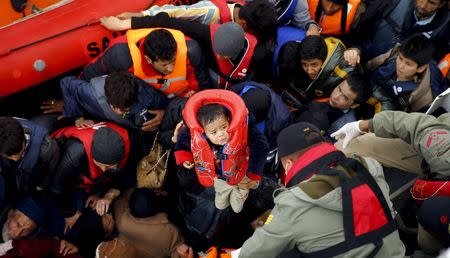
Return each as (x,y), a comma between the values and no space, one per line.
(422,15)
(5,232)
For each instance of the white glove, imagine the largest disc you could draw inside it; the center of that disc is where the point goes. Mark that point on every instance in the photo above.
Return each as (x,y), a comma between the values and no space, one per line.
(350,131)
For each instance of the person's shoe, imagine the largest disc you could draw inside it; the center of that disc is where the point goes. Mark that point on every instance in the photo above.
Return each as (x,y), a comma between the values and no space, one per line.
(237,199)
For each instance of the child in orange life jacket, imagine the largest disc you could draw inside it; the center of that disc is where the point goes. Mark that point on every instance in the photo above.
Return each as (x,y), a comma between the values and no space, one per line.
(219,157)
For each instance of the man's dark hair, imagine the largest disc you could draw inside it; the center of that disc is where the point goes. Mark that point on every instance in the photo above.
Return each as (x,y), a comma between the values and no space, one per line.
(210,112)
(144,203)
(261,17)
(418,48)
(289,60)
(160,45)
(12,136)
(359,85)
(121,89)
(313,47)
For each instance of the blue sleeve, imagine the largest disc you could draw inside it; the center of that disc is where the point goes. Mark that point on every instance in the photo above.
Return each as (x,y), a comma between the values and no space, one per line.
(150,98)
(437,81)
(73,90)
(115,58)
(259,149)
(184,139)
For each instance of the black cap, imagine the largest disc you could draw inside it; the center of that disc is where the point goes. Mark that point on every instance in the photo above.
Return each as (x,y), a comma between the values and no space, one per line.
(143,203)
(293,138)
(107,146)
(434,216)
(32,210)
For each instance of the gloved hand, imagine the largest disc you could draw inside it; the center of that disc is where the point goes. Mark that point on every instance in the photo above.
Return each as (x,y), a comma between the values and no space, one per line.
(350,131)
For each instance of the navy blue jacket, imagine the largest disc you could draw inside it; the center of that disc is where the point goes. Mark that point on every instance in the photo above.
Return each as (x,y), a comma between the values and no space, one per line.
(278,116)
(19,178)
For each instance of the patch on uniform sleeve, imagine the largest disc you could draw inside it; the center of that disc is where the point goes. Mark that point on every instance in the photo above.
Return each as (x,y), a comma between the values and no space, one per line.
(437,142)
(269,219)
(436,138)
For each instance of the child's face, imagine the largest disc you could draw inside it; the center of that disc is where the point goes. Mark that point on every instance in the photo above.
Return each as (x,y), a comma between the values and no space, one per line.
(406,68)
(216,131)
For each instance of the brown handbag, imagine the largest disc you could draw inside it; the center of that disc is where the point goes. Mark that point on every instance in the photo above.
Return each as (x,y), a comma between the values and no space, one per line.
(152,169)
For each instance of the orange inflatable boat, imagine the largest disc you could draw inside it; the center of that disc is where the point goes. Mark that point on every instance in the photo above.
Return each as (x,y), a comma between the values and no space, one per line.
(52,37)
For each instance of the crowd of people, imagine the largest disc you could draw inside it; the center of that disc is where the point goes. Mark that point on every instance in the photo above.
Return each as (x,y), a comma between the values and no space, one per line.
(240,129)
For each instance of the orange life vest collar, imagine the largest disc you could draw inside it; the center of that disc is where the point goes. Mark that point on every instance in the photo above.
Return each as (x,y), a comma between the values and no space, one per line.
(176,82)
(331,25)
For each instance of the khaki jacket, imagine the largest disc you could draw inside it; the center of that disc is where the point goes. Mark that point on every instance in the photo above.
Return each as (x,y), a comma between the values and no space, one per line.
(428,135)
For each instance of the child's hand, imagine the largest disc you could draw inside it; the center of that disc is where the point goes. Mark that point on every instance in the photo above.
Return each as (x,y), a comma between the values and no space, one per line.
(188,165)
(177,131)
(247,184)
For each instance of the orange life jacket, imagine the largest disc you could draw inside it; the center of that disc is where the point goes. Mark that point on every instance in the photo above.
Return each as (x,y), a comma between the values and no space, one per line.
(235,152)
(174,83)
(86,135)
(444,65)
(228,70)
(331,25)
